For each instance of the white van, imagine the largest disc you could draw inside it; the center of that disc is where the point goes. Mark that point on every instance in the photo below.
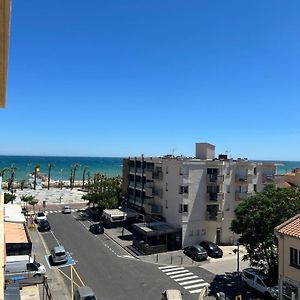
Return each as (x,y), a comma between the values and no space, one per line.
(23,266)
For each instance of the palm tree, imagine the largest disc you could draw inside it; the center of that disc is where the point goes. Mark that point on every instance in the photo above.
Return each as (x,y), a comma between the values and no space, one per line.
(83,176)
(22,183)
(11,180)
(50,166)
(75,167)
(3,171)
(36,170)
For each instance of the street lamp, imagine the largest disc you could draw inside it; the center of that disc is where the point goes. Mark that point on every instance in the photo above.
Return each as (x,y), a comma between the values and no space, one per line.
(36,170)
(237,251)
(124,204)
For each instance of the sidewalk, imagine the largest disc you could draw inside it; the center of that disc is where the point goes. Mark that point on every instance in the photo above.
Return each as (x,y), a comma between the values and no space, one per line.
(166,258)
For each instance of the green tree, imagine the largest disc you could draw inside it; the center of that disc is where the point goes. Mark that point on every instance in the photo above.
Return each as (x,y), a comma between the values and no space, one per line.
(33,202)
(9,198)
(255,220)
(50,166)
(74,169)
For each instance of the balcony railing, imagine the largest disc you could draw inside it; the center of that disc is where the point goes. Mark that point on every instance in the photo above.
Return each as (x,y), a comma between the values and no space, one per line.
(214,179)
(215,197)
(243,179)
(214,216)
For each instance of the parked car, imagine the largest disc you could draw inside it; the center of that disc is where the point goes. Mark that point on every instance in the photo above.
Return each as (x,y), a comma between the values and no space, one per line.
(97,228)
(195,252)
(44,225)
(66,210)
(84,293)
(59,255)
(212,249)
(260,282)
(171,295)
(40,216)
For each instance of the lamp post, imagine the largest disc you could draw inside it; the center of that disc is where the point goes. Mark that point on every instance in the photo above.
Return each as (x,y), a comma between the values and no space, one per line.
(124,204)
(36,170)
(237,252)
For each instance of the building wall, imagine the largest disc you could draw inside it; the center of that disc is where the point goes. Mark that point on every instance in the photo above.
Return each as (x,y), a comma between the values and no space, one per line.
(2,243)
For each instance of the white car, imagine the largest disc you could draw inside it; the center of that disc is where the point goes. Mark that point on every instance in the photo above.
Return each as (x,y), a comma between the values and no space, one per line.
(260,282)
(40,216)
(66,210)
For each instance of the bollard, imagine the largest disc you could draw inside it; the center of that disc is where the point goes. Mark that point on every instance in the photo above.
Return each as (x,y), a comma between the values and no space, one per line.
(181,259)
(157,258)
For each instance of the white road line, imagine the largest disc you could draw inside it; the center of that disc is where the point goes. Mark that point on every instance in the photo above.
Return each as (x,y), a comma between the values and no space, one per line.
(196,285)
(177,272)
(59,211)
(195,291)
(167,267)
(191,281)
(55,211)
(186,278)
(173,269)
(50,211)
(181,275)
(57,241)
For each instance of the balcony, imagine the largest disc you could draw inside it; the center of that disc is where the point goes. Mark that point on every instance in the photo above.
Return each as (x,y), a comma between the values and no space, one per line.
(131,184)
(132,170)
(214,197)
(243,179)
(148,174)
(214,216)
(239,196)
(139,185)
(214,179)
(139,170)
(268,179)
(131,198)
(158,175)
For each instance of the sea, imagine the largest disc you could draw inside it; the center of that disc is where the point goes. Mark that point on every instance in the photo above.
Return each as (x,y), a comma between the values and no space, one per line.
(110,166)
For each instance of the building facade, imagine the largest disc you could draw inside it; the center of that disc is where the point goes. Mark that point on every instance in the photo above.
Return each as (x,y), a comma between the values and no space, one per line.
(197,195)
(288,235)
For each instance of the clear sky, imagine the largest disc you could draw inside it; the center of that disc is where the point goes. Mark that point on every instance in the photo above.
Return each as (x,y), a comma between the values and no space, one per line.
(125,77)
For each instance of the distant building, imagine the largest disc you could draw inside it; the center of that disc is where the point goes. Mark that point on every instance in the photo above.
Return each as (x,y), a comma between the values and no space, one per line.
(288,234)
(196,195)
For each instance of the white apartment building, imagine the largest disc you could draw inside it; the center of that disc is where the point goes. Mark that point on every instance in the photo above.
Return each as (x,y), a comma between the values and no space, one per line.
(197,195)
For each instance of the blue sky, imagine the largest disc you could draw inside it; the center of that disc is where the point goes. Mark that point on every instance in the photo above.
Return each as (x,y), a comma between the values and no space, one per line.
(121,78)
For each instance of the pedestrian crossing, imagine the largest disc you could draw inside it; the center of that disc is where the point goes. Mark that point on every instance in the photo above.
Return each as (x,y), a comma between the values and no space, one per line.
(185,278)
(55,211)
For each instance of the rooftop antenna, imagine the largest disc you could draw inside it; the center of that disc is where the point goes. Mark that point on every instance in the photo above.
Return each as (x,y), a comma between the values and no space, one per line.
(227,151)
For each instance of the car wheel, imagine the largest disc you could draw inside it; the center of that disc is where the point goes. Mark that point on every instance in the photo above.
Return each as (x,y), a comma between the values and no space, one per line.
(36,275)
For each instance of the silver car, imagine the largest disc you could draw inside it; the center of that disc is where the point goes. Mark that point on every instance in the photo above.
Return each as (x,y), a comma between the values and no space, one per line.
(84,293)
(59,255)
(66,210)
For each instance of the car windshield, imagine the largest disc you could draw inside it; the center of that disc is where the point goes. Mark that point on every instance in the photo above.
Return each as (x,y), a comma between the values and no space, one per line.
(269,282)
(89,298)
(40,214)
(60,253)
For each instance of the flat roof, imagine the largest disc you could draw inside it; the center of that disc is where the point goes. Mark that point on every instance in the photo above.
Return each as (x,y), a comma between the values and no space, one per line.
(15,233)
(13,213)
(120,213)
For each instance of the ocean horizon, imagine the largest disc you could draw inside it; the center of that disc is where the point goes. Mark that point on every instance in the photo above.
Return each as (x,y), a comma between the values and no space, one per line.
(110,166)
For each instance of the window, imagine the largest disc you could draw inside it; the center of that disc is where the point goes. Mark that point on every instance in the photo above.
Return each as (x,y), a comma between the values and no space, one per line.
(185,208)
(166,203)
(167,170)
(166,186)
(254,188)
(259,281)
(249,276)
(295,257)
(180,208)
(183,189)
(254,171)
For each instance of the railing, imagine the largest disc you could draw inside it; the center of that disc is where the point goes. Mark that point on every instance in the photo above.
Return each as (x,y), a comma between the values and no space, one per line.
(217,179)
(211,197)
(243,178)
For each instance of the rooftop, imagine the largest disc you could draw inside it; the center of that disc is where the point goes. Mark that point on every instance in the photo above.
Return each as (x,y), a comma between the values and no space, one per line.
(15,233)
(291,227)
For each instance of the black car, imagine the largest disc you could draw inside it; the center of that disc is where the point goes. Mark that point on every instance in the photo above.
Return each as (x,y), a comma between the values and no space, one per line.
(44,226)
(212,249)
(97,228)
(195,252)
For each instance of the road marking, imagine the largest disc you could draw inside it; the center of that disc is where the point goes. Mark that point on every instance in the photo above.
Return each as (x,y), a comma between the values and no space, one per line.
(181,275)
(191,281)
(196,285)
(167,267)
(186,278)
(55,211)
(195,291)
(50,211)
(173,269)
(177,272)
(57,241)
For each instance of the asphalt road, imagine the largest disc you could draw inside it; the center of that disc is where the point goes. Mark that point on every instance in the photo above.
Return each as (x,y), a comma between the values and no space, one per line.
(107,268)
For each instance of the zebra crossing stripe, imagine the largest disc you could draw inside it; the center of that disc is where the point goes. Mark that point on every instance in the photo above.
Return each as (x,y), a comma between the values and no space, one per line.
(173,269)
(196,291)
(59,211)
(196,285)
(181,275)
(167,267)
(186,278)
(50,211)
(55,211)
(177,272)
(190,281)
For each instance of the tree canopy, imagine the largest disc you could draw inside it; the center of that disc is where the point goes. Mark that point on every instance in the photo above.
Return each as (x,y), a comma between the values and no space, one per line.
(255,220)
(9,198)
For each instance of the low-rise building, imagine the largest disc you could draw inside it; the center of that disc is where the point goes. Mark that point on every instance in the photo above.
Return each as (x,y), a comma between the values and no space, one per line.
(288,234)
(196,195)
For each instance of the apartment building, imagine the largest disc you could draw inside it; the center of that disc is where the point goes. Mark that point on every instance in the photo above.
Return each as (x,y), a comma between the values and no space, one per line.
(288,234)
(197,195)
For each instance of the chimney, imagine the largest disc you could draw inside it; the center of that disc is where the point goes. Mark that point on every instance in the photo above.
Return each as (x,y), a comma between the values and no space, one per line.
(205,151)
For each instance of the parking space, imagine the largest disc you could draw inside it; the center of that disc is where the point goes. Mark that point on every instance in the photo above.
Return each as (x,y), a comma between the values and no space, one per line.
(70,262)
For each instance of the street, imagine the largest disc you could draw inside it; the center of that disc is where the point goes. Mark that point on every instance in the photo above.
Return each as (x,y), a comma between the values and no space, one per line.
(112,272)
